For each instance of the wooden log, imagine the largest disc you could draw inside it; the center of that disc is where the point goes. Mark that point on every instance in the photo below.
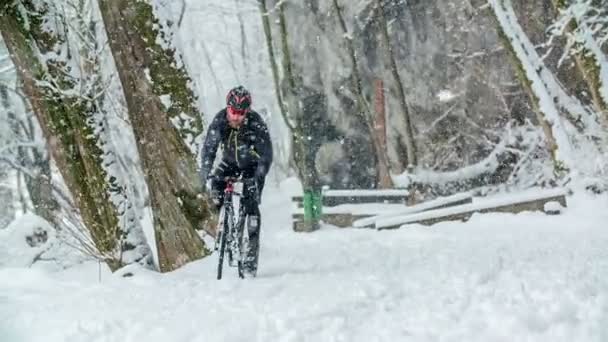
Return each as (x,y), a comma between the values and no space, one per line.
(438,203)
(466,211)
(301,226)
(338,220)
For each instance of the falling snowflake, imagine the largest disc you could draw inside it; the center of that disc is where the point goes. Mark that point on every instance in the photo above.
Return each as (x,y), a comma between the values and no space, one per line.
(446,95)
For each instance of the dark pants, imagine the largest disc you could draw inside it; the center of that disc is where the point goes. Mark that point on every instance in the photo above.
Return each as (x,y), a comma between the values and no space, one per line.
(252,193)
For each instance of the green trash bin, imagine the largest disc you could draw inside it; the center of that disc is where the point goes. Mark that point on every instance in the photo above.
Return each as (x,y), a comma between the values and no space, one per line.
(313,208)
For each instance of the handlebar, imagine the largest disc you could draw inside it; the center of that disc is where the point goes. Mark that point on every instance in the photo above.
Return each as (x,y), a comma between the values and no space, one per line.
(232,179)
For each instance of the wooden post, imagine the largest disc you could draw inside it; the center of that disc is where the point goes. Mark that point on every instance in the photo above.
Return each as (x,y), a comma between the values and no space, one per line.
(380,123)
(384,177)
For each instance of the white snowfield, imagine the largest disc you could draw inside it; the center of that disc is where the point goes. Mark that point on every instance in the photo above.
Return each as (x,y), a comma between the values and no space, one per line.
(498,277)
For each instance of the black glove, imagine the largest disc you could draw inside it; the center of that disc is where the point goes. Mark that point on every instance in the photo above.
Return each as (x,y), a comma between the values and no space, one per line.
(214,193)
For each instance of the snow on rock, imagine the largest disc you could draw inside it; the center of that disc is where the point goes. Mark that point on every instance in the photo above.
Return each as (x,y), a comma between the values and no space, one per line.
(23,240)
(553,207)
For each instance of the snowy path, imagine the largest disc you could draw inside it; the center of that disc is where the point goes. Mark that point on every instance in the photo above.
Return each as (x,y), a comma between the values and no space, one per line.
(497,278)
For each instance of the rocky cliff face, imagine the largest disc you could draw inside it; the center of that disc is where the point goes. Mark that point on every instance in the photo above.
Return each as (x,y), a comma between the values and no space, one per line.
(461,86)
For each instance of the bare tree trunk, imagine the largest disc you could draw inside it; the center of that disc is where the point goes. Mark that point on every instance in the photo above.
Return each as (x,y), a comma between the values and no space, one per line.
(244,56)
(273,62)
(166,137)
(289,122)
(7,206)
(412,159)
(363,110)
(21,192)
(39,186)
(542,87)
(525,82)
(297,103)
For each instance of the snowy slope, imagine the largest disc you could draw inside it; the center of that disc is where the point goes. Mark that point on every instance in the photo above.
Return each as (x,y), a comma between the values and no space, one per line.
(499,277)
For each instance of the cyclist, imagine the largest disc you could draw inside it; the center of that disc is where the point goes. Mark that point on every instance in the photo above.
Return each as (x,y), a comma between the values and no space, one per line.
(247,151)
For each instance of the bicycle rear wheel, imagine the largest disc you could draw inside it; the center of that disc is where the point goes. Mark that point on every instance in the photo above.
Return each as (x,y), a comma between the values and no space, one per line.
(240,235)
(224,235)
(243,244)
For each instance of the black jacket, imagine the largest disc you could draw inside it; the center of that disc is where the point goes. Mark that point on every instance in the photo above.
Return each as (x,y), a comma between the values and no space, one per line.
(247,148)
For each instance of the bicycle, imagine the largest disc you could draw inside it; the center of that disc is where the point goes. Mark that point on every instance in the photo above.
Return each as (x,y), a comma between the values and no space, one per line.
(233,227)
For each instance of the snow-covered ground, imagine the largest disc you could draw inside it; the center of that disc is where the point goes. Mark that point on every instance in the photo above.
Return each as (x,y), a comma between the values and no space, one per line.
(498,277)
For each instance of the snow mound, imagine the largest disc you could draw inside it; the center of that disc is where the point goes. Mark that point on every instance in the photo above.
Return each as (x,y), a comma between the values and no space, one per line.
(553,207)
(26,238)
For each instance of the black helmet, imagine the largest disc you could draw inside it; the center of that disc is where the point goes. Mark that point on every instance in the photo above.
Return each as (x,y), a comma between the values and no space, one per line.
(239,99)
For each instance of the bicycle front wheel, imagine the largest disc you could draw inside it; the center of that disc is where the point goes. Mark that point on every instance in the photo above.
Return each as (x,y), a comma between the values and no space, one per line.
(224,234)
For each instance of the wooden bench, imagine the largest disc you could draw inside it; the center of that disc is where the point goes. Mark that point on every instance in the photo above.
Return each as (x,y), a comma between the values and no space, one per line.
(343,207)
(386,209)
(362,208)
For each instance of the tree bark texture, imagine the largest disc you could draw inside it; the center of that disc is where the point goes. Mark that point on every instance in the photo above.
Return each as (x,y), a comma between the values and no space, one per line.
(62,117)
(168,162)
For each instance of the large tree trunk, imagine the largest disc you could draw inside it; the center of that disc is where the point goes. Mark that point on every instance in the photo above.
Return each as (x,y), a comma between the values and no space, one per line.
(273,62)
(274,67)
(166,137)
(65,120)
(293,105)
